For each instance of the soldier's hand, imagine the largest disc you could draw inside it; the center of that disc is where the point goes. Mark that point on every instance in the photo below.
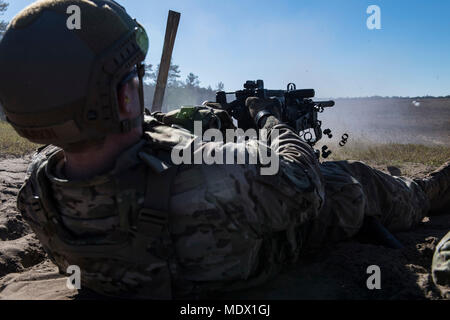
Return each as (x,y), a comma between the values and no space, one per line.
(261,109)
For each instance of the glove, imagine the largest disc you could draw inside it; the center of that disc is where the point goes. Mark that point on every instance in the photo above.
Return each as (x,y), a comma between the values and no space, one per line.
(262,108)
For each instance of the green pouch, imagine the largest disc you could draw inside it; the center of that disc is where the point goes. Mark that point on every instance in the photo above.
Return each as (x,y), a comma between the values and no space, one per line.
(209,117)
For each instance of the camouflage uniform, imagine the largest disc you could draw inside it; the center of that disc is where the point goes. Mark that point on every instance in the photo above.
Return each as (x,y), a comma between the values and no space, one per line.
(229,226)
(441,266)
(354,191)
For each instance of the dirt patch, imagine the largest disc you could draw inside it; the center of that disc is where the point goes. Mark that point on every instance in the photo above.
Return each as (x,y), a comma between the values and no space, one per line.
(335,272)
(12,174)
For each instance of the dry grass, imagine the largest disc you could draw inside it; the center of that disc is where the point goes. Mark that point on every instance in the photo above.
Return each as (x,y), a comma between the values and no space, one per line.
(393,153)
(11,144)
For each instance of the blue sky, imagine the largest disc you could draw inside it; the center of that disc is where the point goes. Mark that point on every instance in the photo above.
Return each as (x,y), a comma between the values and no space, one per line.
(322,44)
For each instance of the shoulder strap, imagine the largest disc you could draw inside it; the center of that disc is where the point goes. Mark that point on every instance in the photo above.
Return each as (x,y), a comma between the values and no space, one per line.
(153,224)
(153,217)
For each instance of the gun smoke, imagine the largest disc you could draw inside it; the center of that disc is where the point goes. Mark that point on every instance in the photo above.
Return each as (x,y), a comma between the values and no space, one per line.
(390,120)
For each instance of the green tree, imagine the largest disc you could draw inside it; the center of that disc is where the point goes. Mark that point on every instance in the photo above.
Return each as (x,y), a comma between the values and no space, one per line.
(3,24)
(173,77)
(220,86)
(192,81)
(150,75)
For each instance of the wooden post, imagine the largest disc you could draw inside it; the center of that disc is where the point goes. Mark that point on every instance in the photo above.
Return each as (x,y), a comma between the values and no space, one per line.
(163,73)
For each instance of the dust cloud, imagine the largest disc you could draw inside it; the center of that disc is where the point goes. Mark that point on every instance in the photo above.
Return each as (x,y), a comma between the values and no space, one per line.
(390,120)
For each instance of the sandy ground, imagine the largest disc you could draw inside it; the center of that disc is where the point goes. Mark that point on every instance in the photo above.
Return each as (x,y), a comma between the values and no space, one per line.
(335,272)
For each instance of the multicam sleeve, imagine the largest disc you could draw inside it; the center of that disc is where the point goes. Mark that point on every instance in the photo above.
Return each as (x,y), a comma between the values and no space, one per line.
(441,265)
(287,196)
(295,192)
(28,202)
(224,214)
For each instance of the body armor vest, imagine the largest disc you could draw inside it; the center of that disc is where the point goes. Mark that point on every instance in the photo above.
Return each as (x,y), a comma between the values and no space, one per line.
(136,259)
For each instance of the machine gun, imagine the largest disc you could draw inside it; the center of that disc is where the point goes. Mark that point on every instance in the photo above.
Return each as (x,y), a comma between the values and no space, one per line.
(297,108)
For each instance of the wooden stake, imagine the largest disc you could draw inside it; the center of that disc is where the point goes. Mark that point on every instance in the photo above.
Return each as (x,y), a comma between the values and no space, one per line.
(164,67)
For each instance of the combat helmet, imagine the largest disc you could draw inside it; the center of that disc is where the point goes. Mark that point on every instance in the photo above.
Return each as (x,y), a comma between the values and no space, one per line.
(58,83)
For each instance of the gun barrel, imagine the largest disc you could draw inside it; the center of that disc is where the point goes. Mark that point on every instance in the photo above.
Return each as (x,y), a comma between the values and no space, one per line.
(325,104)
(274,93)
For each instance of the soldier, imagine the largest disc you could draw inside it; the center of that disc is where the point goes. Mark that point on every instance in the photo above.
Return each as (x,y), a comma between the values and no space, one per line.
(105,195)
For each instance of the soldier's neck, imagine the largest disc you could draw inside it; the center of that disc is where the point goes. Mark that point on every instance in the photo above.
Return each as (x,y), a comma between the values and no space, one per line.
(100,160)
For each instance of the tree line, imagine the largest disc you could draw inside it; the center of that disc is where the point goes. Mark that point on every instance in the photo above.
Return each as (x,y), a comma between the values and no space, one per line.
(178,92)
